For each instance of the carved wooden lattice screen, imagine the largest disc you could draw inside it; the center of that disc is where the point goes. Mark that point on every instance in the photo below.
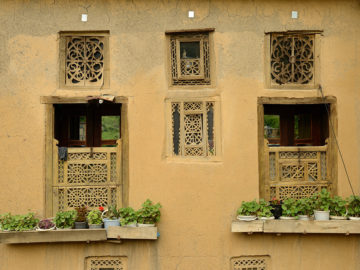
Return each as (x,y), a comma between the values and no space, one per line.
(84,61)
(190,71)
(296,172)
(193,131)
(89,177)
(250,263)
(292,58)
(106,263)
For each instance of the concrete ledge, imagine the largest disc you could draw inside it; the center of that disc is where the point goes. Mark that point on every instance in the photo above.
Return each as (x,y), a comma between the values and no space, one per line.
(297,226)
(119,233)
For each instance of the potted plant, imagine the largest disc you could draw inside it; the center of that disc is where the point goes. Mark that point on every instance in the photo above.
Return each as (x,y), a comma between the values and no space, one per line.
(305,208)
(65,220)
(264,211)
(80,220)
(338,208)
(289,209)
(110,216)
(94,219)
(276,208)
(6,222)
(128,217)
(20,223)
(322,201)
(45,225)
(354,207)
(149,214)
(248,210)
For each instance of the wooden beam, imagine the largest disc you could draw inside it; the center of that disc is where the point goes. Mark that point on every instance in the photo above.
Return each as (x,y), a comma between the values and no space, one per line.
(118,232)
(190,30)
(75,100)
(304,100)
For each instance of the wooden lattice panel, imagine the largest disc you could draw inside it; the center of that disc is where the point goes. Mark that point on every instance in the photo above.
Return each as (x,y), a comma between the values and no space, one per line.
(190,71)
(250,263)
(292,58)
(296,172)
(106,263)
(193,131)
(84,63)
(89,177)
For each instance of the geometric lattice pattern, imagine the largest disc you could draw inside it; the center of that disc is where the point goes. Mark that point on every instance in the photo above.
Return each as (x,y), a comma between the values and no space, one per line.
(88,178)
(84,60)
(193,130)
(197,69)
(297,173)
(250,263)
(106,263)
(292,58)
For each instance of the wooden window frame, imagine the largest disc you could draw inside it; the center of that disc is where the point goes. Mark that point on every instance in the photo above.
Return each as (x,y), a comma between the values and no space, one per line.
(216,128)
(264,185)
(63,36)
(314,84)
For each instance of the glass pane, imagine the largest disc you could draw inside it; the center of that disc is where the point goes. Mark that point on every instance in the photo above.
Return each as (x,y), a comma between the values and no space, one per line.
(78,128)
(272,126)
(110,127)
(190,50)
(302,125)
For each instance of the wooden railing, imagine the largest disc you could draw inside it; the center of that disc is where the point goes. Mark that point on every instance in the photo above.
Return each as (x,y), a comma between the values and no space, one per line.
(296,172)
(91,177)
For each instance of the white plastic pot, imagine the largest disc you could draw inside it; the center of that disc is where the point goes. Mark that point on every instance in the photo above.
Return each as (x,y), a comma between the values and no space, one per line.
(354,218)
(246,218)
(110,222)
(288,218)
(266,218)
(338,218)
(321,215)
(304,217)
(145,225)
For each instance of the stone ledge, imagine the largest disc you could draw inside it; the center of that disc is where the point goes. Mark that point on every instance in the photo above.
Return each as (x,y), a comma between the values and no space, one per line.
(346,227)
(78,235)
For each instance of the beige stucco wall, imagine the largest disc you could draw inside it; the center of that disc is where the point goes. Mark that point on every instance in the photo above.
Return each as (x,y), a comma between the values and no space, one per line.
(199,198)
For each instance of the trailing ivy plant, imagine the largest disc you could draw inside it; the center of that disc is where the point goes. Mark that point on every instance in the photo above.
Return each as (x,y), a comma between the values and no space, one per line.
(354,206)
(290,208)
(322,200)
(264,209)
(338,206)
(149,213)
(65,220)
(305,206)
(128,216)
(248,208)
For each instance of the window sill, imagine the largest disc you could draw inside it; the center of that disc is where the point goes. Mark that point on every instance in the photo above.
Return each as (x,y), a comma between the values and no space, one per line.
(79,235)
(346,227)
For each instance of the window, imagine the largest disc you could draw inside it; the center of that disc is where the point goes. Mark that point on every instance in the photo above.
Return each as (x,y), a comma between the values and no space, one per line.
(84,60)
(87,155)
(190,58)
(293,60)
(250,263)
(106,263)
(296,148)
(193,128)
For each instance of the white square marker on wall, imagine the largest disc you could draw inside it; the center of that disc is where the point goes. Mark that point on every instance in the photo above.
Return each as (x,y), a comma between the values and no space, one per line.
(191,14)
(84,17)
(294,14)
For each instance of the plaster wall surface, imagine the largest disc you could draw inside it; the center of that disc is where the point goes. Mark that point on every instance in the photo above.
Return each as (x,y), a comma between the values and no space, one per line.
(199,198)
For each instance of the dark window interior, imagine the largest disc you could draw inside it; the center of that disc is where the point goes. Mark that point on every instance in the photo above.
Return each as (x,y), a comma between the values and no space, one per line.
(91,125)
(296,125)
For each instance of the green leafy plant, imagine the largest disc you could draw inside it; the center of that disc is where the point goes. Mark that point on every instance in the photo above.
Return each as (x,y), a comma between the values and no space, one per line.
(289,208)
(65,220)
(81,214)
(149,213)
(264,209)
(338,206)
(128,216)
(354,206)
(94,217)
(112,212)
(18,222)
(305,206)
(248,208)
(322,200)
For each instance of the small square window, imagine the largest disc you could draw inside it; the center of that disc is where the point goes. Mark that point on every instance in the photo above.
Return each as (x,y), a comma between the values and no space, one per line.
(84,60)
(190,59)
(193,132)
